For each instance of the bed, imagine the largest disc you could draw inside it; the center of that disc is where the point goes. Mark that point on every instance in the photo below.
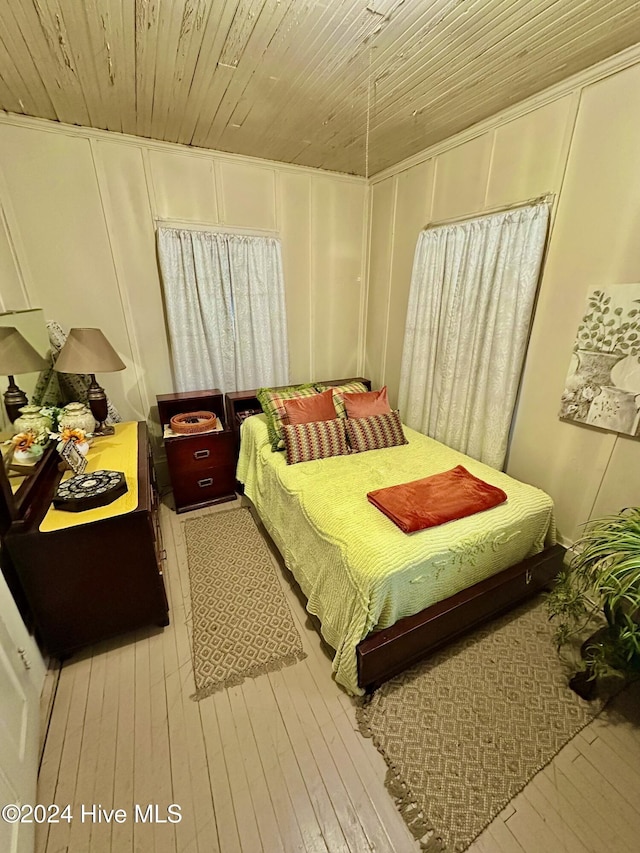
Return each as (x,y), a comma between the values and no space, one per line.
(385,598)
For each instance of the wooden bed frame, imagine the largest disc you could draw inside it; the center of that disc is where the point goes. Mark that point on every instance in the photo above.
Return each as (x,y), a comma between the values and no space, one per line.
(386,653)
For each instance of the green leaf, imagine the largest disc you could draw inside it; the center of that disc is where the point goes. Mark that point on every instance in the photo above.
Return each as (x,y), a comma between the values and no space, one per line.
(603,581)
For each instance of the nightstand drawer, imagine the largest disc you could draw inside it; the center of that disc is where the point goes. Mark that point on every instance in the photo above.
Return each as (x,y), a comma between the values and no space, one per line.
(197,452)
(201,486)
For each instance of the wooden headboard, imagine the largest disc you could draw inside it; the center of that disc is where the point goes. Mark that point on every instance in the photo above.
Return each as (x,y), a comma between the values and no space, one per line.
(241,404)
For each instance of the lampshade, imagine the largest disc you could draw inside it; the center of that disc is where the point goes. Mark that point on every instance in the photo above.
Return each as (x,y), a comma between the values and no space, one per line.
(17,355)
(88,351)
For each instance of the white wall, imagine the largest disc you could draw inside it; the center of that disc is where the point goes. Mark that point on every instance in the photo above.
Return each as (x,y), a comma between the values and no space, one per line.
(77,238)
(580,142)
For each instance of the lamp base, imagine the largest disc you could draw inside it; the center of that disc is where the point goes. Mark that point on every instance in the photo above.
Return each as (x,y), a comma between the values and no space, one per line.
(97,400)
(104,429)
(14,400)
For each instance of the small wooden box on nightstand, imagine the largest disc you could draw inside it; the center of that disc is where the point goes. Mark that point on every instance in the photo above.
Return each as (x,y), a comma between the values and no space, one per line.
(202,466)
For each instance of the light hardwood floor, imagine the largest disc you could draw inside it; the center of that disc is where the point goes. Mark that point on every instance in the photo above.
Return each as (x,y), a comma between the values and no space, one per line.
(277,764)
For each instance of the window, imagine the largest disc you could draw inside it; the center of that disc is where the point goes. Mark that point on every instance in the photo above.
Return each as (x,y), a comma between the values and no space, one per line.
(472,294)
(224,298)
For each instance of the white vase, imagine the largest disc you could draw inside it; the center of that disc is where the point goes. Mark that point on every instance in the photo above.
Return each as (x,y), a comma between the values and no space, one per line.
(595,366)
(29,456)
(77,416)
(32,419)
(626,374)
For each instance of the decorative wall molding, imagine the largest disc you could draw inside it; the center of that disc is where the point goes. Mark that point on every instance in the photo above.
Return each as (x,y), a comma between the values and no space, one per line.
(49,126)
(102,183)
(23,271)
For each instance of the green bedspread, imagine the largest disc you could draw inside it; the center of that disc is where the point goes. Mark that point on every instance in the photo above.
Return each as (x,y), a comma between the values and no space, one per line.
(358,571)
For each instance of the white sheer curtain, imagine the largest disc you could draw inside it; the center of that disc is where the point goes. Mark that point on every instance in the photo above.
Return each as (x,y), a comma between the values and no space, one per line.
(472,293)
(224,297)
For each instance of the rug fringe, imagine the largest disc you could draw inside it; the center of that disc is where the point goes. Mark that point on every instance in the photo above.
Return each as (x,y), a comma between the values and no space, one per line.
(416,820)
(361,703)
(253,672)
(405,802)
(421,829)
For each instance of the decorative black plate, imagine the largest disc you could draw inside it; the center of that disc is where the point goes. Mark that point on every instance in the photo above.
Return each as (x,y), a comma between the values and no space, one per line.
(87,491)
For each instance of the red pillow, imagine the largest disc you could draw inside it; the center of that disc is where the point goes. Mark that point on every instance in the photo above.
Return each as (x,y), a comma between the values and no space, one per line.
(306,410)
(368,404)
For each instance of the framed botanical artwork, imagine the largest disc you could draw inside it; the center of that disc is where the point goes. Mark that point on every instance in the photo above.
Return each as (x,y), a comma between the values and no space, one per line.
(602,388)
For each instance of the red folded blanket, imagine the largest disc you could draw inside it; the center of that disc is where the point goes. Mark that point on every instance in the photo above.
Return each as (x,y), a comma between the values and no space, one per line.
(436,500)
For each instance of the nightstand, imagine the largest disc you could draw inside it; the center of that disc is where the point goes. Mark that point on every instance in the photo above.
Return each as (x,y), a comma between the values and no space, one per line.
(202,466)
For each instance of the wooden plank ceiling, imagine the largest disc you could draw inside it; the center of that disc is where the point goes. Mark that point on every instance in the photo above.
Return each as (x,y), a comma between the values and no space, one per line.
(299,81)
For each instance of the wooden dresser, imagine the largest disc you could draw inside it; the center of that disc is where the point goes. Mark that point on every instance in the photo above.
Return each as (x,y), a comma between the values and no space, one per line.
(202,465)
(89,580)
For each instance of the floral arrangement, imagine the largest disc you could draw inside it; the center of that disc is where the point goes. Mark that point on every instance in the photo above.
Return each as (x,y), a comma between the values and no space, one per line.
(604,330)
(38,436)
(70,434)
(30,444)
(25,446)
(23,440)
(74,434)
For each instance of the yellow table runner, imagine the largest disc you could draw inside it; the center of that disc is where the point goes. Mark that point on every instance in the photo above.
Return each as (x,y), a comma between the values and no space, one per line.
(117,452)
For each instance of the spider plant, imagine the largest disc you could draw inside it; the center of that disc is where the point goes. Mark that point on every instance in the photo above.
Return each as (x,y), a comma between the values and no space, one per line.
(600,590)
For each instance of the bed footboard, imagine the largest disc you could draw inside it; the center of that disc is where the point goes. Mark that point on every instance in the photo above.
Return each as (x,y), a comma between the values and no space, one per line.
(385,653)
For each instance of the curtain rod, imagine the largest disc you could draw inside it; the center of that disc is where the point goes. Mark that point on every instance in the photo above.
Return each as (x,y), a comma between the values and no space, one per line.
(191,225)
(547,197)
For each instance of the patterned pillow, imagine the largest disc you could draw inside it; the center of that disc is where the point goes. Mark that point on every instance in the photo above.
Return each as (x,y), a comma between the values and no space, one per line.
(316,440)
(339,390)
(375,432)
(271,401)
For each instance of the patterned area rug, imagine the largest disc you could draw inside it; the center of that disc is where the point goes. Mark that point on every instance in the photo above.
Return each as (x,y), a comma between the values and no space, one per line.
(242,625)
(466,730)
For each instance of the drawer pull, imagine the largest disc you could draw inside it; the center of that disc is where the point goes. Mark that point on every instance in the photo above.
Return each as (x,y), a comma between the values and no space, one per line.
(208,481)
(201,454)
(25,660)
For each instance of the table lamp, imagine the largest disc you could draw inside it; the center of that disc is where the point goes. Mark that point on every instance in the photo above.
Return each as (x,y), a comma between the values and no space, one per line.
(88,351)
(17,356)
